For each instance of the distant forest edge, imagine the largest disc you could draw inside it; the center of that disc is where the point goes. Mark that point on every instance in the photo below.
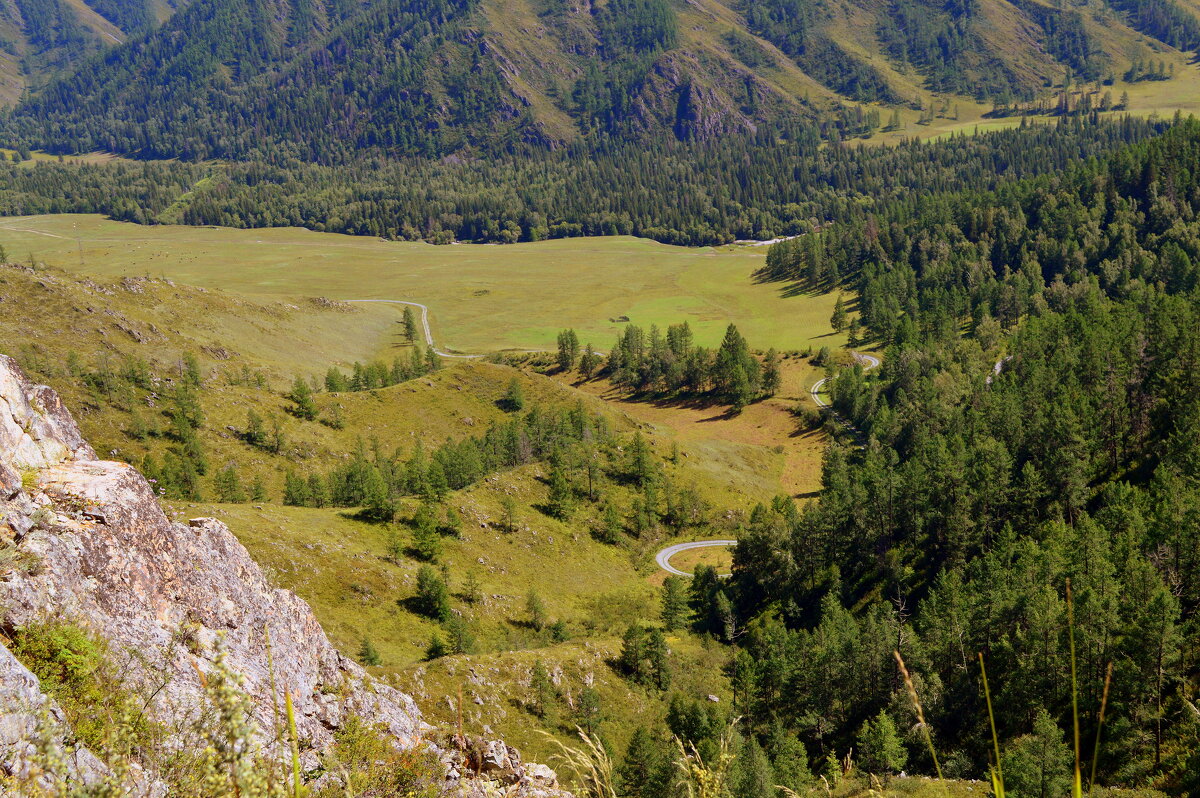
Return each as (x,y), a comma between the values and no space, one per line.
(684,193)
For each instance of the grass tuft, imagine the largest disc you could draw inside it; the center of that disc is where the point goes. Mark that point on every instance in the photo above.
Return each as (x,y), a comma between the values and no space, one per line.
(590,763)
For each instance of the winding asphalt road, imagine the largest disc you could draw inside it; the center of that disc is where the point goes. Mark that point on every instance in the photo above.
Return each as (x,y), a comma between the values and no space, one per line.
(663,558)
(868,361)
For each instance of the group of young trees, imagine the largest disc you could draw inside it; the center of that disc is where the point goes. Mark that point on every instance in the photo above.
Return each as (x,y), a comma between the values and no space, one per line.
(673,364)
(569,355)
(377,374)
(645,657)
(373,479)
(1148,70)
(1081,102)
(432,599)
(184,462)
(178,419)
(161,407)
(753,766)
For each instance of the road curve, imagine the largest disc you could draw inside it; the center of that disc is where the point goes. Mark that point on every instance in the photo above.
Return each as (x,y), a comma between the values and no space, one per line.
(424,324)
(868,362)
(663,558)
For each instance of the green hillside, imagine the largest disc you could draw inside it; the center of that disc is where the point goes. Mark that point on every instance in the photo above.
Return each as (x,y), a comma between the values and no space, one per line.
(41,40)
(323,81)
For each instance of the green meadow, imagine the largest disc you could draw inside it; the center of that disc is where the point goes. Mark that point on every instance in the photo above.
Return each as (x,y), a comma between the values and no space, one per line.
(481,297)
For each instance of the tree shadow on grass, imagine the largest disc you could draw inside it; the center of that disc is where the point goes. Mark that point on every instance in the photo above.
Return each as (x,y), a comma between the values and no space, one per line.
(729,414)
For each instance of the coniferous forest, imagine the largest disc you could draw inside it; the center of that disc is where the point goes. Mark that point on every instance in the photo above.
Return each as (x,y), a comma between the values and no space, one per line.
(998,473)
(695,194)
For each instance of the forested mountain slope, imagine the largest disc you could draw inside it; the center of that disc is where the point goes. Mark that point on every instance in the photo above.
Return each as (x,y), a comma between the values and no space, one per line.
(999,473)
(320,81)
(42,39)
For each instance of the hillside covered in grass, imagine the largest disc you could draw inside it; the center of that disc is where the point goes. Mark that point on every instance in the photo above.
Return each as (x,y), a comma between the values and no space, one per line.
(416,512)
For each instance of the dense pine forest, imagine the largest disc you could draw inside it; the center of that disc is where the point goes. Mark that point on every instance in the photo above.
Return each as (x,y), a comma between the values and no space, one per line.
(698,193)
(924,263)
(1016,495)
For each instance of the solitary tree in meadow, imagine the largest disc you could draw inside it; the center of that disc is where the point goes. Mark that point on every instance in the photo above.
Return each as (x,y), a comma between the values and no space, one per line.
(562,498)
(256,433)
(514,397)
(437,648)
(229,486)
(568,349)
(770,373)
(537,611)
(589,362)
(410,324)
(426,540)
(433,597)
(542,692)
(367,654)
(674,603)
(301,395)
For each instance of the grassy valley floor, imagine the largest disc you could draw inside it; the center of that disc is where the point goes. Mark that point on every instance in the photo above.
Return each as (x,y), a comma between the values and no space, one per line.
(360,583)
(482,298)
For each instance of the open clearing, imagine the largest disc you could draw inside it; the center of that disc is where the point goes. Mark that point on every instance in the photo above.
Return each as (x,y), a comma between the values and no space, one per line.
(719,558)
(758,452)
(481,297)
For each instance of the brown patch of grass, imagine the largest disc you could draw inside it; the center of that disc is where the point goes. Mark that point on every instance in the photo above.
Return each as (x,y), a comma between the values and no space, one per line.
(757,454)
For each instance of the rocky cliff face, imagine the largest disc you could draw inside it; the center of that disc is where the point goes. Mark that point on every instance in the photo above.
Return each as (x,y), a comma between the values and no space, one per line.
(98,551)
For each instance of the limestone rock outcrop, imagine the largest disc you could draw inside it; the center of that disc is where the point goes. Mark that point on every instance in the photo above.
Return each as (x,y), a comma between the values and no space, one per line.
(165,595)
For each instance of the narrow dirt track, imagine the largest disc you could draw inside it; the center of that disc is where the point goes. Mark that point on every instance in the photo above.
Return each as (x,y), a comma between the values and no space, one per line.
(424,324)
(429,332)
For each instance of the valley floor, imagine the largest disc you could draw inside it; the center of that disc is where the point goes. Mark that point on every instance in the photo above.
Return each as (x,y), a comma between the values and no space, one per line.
(242,301)
(482,298)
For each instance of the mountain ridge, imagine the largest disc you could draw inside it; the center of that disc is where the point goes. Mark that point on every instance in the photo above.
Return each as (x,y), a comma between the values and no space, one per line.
(325,82)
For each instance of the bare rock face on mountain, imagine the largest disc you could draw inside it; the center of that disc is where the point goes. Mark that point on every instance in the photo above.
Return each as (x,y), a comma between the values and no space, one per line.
(166,596)
(36,431)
